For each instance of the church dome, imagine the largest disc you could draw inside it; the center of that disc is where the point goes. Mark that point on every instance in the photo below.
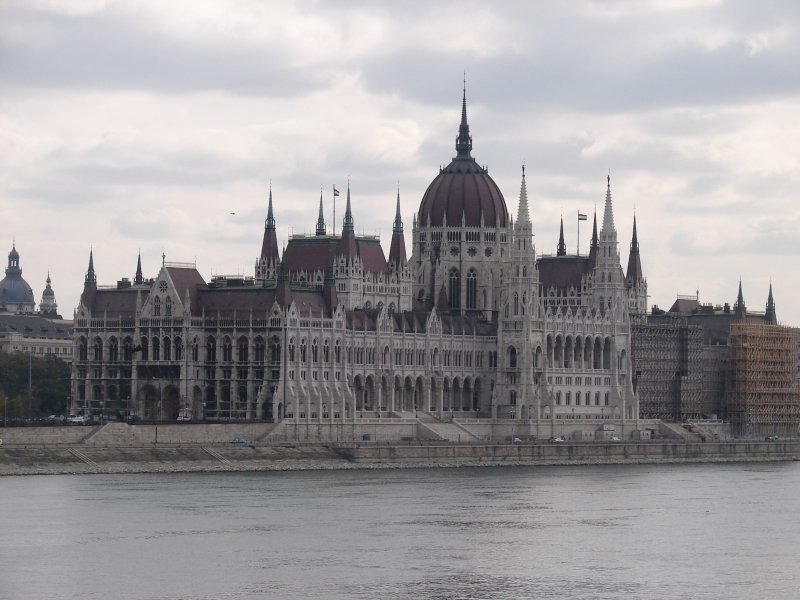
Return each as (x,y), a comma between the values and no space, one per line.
(14,290)
(463,190)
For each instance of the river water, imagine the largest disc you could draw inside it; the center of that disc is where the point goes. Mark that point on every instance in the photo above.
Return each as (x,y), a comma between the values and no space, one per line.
(671,531)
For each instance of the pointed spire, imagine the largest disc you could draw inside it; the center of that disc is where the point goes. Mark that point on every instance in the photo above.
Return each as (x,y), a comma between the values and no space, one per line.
(608,214)
(269,224)
(464,139)
(634,272)
(594,247)
(321,217)
(398,221)
(269,243)
(347,245)
(348,214)
(562,247)
(739,308)
(523,216)
(770,316)
(397,251)
(138,278)
(91,277)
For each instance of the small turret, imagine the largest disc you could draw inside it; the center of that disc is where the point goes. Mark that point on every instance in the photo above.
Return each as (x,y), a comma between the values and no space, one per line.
(347,246)
(739,309)
(138,279)
(89,283)
(269,244)
(321,217)
(397,251)
(562,246)
(595,245)
(634,272)
(464,139)
(770,315)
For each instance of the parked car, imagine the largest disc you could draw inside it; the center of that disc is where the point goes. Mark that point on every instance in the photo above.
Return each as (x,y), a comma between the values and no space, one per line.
(557,440)
(772,438)
(80,419)
(239,440)
(614,438)
(56,418)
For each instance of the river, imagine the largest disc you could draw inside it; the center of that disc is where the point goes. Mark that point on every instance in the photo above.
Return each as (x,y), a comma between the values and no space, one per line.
(612,532)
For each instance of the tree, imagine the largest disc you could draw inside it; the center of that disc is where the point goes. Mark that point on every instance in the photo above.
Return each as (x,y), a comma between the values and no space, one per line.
(49,384)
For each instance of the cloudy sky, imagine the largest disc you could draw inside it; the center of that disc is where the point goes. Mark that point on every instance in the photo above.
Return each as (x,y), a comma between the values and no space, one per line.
(144,125)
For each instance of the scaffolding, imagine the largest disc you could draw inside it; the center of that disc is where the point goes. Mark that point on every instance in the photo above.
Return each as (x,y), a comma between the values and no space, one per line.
(666,356)
(763,395)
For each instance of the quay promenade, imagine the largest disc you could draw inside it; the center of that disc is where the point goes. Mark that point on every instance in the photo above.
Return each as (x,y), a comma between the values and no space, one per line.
(120,448)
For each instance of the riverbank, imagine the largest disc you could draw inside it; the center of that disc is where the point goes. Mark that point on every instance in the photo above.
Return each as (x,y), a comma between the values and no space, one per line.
(82,459)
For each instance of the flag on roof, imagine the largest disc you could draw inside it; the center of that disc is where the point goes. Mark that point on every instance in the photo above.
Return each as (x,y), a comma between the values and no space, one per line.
(335,191)
(582,217)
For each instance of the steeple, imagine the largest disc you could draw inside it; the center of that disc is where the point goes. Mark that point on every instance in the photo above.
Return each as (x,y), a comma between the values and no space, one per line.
(138,278)
(562,247)
(608,213)
(91,277)
(348,214)
(321,217)
(739,308)
(442,303)
(269,243)
(770,316)
(595,245)
(397,251)
(464,139)
(89,283)
(13,261)
(523,216)
(348,244)
(634,272)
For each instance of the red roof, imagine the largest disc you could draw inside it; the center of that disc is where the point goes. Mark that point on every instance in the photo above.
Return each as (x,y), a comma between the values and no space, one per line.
(562,272)
(463,188)
(312,254)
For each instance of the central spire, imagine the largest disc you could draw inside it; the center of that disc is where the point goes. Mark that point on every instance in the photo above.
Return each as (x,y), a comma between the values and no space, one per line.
(270,222)
(464,139)
(398,221)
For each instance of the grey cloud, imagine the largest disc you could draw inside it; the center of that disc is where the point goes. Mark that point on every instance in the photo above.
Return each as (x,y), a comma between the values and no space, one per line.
(109,50)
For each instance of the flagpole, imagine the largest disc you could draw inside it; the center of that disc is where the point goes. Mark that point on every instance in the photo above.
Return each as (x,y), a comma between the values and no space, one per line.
(579,233)
(334,210)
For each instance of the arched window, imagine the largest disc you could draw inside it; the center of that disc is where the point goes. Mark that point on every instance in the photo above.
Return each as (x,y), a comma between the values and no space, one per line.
(338,352)
(156,349)
(314,351)
(512,357)
(211,350)
(168,306)
(326,352)
(83,349)
(98,349)
(178,349)
(157,307)
(167,348)
(113,349)
(302,351)
(227,349)
(577,398)
(261,350)
(243,349)
(472,289)
(275,350)
(569,398)
(558,398)
(195,350)
(454,291)
(291,350)
(145,346)
(127,349)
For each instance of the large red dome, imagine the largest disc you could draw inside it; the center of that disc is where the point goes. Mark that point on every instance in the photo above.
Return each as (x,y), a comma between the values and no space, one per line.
(463,190)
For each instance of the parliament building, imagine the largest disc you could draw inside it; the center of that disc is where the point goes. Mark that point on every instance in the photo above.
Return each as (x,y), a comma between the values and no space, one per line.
(473,326)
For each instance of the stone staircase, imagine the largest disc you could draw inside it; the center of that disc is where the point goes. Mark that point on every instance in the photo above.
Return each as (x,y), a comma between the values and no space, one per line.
(432,428)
